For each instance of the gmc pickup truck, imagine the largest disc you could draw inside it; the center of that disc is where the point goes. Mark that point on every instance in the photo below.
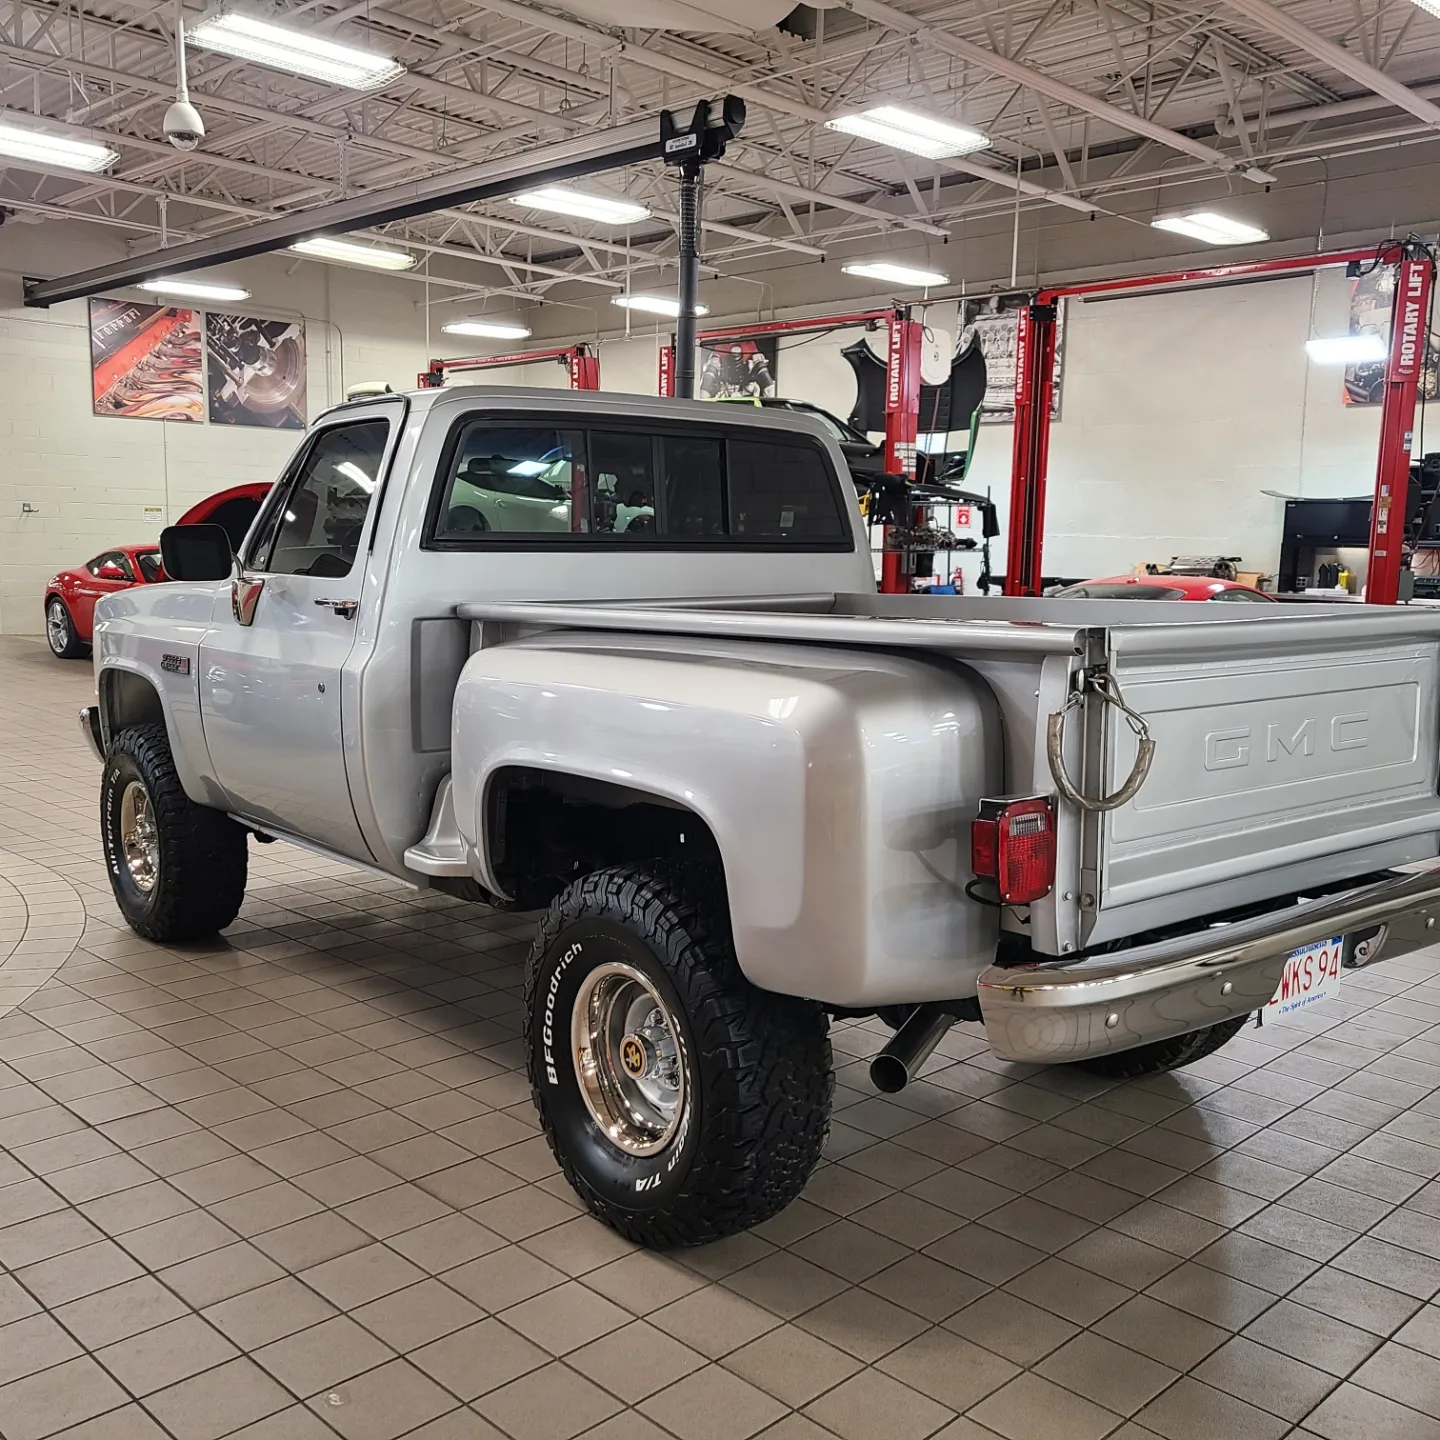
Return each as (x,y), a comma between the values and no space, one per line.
(621,660)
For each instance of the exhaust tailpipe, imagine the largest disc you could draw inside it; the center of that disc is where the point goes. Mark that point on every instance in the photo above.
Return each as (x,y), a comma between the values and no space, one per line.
(911,1046)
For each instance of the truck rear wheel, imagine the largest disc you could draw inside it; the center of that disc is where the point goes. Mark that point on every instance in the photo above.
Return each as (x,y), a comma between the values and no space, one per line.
(177,868)
(1165,1054)
(682,1103)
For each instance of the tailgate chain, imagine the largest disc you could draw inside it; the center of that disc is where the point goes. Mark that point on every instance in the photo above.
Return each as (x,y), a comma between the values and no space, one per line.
(1103,684)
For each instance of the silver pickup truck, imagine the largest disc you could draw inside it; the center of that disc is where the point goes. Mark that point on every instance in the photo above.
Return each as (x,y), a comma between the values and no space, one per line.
(621,660)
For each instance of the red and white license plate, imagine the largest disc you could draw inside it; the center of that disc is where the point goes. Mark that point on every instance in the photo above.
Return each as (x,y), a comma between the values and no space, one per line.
(1312,974)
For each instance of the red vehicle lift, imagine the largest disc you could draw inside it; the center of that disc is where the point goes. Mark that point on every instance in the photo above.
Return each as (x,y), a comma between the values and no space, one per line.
(1035,390)
(581,363)
(902,392)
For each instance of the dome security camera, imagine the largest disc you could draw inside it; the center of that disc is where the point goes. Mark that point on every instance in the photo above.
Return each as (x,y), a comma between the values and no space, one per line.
(184,128)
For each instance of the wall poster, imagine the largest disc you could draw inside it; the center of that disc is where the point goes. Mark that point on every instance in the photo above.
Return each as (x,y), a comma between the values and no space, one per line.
(256,371)
(1372,299)
(990,324)
(145,361)
(740,366)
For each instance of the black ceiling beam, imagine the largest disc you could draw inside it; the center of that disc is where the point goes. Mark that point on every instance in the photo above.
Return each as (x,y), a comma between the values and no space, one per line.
(590,154)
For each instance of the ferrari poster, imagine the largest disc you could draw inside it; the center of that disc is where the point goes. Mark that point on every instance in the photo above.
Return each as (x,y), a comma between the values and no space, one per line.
(145,361)
(256,371)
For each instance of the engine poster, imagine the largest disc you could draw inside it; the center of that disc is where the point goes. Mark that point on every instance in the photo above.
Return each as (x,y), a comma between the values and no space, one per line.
(256,371)
(991,324)
(145,361)
(1372,300)
(741,366)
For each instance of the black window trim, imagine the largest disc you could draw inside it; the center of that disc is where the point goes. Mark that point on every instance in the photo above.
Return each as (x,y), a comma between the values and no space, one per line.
(657,427)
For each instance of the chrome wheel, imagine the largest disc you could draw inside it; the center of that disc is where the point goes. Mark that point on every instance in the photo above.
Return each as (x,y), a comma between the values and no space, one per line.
(139,840)
(629,1059)
(57,626)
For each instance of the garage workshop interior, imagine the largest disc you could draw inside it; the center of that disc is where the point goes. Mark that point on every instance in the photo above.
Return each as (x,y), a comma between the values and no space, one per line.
(719,721)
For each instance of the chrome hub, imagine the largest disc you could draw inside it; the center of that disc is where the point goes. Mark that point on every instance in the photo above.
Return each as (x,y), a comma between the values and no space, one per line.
(629,1059)
(139,839)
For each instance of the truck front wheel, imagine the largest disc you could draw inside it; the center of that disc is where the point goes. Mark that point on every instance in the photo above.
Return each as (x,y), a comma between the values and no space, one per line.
(682,1103)
(177,868)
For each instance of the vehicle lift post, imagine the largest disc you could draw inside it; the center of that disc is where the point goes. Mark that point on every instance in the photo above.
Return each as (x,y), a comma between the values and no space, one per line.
(1035,395)
(582,366)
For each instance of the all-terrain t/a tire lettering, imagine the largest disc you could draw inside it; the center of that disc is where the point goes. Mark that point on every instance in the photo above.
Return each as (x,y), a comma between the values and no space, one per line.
(196,883)
(756,1079)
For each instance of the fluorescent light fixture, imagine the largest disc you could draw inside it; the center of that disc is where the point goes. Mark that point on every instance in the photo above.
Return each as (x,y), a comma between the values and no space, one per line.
(353,252)
(45,143)
(194,289)
(654,305)
(495,329)
(1347,349)
(895,274)
(905,130)
(528,469)
(246,37)
(563,201)
(1213,229)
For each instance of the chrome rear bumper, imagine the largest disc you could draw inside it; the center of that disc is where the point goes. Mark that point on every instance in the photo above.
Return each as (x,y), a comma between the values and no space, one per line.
(1076,1009)
(89,719)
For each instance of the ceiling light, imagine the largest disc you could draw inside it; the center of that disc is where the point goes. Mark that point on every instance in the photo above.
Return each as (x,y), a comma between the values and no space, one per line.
(895,274)
(560,201)
(352,252)
(46,143)
(1213,229)
(194,289)
(654,305)
(246,37)
(905,130)
(1347,349)
(495,329)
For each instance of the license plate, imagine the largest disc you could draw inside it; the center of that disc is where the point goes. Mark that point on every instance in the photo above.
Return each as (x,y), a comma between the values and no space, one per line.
(1312,974)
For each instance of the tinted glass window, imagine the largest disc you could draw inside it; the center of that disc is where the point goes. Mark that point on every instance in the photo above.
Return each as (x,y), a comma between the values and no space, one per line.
(624,465)
(1242,597)
(781,492)
(150,569)
(692,485)
(1118,592)
(121,561)
(318,528)
(525,479)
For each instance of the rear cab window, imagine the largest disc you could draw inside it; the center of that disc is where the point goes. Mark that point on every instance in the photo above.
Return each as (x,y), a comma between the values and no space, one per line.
(543,483)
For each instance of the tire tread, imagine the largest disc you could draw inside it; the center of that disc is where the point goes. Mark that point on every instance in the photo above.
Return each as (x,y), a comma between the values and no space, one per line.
(1165,1055)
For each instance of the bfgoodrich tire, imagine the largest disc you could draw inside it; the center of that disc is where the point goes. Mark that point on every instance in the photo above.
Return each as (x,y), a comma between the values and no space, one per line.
(682,1103)
(1165,1054)
(177,869)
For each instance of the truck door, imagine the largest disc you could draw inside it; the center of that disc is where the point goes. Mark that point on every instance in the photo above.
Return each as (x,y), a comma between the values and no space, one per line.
(272,665)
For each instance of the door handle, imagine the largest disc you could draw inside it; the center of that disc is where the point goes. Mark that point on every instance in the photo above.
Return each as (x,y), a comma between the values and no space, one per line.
(345,609)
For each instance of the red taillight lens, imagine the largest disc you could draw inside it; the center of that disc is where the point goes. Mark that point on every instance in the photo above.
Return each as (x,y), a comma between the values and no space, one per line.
(1012,844)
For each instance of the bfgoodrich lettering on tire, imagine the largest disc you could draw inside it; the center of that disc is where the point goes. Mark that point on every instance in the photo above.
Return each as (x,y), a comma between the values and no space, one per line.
(177,868)
(682,1103)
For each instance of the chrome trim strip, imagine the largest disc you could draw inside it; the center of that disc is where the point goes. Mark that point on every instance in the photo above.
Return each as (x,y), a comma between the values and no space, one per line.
(1076,1009)
(89,720)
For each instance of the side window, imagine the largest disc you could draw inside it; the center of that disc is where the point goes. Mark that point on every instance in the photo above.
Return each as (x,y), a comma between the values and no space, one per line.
(624,463)
(692,485)
(122,562)
(517,478)
(781,492)
(93,566)
(150,568)
(317,530)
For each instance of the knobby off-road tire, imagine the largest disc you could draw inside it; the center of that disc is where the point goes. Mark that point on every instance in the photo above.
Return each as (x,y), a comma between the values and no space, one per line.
(754,1068)
(1165,1054)
(196,882)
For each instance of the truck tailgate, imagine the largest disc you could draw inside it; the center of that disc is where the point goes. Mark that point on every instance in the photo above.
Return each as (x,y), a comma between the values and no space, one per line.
(1289,752)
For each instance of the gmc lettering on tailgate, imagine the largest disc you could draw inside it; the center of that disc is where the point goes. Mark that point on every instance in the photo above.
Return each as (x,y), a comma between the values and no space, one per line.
(1243,745)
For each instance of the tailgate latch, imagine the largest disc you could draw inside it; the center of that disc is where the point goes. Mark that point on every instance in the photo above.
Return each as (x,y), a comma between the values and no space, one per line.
(1104,685)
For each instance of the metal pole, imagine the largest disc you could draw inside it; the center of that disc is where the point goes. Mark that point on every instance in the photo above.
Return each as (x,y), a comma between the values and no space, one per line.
(1409,340)
(1034,393)
(689,279)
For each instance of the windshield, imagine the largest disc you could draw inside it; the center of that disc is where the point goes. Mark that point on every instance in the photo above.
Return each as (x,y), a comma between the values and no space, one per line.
(1118,592)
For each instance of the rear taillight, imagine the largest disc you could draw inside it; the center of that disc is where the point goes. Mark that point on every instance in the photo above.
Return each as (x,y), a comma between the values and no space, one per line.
(1012,844)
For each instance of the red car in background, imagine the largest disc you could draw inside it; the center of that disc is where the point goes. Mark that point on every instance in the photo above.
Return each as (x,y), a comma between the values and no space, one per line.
(71,595)
(1163,587)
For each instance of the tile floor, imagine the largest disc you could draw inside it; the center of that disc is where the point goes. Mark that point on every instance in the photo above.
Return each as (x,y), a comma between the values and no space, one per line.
(288,1186)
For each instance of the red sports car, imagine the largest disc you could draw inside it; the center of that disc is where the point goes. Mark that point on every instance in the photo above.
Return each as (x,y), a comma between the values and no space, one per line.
(1163,587)
(71,595)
